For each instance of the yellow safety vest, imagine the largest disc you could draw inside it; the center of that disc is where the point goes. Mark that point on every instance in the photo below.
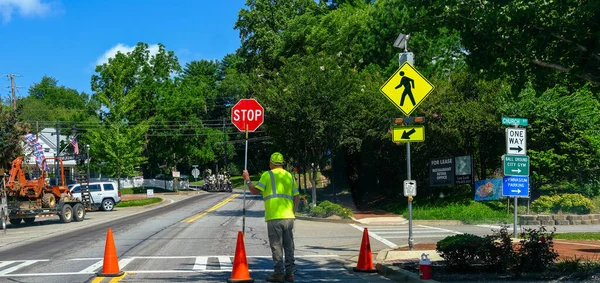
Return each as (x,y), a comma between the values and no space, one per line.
(278,190)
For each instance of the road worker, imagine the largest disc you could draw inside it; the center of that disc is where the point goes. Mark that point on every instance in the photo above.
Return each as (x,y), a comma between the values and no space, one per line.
(281,196)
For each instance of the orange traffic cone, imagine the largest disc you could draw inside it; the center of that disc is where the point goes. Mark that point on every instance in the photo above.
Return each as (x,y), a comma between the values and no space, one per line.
(110,267)
(365,259)
(240,272)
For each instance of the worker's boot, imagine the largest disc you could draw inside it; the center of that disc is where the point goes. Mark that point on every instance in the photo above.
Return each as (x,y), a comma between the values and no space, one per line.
(289,277)
(275,277)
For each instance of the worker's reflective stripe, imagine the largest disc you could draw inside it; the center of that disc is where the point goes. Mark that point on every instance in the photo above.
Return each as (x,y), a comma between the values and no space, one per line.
(273,188)
(261,185)
(279,196)
(296,190)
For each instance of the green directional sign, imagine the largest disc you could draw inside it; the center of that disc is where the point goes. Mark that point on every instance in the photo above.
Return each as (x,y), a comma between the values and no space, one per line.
(516,165)
(523,122)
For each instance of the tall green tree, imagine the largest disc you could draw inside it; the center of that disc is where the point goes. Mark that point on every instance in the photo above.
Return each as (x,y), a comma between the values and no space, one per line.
(12,131)
(118,143)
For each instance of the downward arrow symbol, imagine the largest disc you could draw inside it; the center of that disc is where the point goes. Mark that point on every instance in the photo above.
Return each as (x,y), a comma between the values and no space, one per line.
(406,135)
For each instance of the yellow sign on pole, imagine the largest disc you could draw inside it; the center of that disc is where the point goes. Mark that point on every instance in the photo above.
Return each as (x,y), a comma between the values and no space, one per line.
(407,88)
(408,134)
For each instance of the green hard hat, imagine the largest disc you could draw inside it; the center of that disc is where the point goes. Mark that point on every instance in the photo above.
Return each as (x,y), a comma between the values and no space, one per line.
(277,158)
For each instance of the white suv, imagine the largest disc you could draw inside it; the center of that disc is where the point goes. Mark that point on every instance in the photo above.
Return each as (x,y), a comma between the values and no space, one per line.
(104,194)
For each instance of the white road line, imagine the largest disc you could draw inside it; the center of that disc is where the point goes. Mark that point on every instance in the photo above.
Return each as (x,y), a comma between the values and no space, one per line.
(418,236)
(225,263)
(194,257)
(406,232)
(167,271)
(200,263)
(17,267)
(124,262)
(436,228)
(92,268)
(5,263)
(87,258)
(489,226)
(377,237)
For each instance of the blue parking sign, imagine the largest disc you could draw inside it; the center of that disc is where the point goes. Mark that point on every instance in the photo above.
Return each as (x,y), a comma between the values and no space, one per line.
(515,186)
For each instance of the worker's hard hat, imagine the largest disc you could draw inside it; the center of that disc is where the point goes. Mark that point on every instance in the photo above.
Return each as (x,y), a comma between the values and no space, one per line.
(277,158)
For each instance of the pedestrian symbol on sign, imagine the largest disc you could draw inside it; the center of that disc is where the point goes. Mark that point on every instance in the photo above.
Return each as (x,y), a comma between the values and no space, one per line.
(406,82)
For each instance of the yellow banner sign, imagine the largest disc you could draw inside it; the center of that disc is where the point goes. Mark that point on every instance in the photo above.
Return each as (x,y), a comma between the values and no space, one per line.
(408,134)
(407,88)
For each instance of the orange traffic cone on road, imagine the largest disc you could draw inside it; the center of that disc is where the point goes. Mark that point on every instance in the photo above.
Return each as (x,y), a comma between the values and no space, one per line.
(240,272)
(110,267)
(365,259)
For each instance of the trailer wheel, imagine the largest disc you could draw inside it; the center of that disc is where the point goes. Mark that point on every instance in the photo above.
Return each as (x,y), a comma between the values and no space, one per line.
(3,221)
(15,221)
(29,221)
(79,212)
(66,214)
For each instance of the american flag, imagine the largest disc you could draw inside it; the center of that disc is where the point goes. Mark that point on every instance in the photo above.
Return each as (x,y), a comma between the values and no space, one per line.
(75,145)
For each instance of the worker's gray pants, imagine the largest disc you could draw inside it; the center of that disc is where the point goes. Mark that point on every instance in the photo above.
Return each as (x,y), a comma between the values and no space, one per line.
(281,238)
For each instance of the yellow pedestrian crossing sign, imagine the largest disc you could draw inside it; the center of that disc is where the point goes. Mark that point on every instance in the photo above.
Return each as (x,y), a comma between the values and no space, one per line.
(407,88)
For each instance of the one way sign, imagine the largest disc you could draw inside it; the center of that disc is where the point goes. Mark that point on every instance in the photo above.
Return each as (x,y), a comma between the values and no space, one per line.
(516,141)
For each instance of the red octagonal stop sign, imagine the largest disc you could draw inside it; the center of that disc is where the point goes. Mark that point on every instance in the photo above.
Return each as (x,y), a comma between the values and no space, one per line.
(247,112)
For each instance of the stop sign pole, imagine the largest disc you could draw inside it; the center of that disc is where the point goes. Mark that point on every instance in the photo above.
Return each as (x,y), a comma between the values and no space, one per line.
(247,115)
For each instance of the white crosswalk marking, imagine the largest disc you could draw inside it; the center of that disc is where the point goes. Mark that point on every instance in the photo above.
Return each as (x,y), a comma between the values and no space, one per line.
(385,234)
(201,262)
(17,267)
(225,263)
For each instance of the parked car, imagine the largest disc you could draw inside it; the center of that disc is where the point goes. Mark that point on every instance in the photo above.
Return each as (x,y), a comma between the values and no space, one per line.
(104,194)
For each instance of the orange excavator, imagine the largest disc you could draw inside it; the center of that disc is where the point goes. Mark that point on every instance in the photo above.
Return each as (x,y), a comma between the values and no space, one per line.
(30,199)
(35,190)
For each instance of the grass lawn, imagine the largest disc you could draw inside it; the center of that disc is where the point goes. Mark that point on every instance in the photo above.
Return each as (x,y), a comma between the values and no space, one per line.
(138,202)
(578,236)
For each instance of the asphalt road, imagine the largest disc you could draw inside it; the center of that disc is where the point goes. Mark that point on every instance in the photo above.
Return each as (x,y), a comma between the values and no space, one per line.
(191,240)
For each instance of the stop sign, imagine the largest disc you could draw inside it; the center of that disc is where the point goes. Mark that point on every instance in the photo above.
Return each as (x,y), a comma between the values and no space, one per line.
(247,112)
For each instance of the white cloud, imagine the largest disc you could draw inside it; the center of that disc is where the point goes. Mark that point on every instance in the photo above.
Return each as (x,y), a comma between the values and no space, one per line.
(24,8)
(123,49)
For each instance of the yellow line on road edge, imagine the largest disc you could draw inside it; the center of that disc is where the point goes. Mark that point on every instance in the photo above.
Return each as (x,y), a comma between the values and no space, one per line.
(113,280)
(117,279)
(215,207)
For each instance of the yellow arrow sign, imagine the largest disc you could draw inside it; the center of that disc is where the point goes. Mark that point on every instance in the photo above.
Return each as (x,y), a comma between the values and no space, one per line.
(407,88)
(408,134)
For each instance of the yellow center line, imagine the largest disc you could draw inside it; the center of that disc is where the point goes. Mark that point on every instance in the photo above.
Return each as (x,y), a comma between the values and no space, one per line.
(117,279)
(215,207)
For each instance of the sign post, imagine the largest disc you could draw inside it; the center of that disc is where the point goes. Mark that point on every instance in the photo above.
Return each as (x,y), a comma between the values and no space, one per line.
(516,163)
(406,89)
(247,115)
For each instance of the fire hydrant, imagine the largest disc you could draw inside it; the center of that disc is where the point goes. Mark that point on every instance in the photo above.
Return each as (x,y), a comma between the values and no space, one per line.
(425,267)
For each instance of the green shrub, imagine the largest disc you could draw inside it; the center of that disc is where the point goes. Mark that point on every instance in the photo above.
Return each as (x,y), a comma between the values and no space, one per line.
(546,204)
(460,251)
(497,253)
(318,211)
(536,251)
(575,203)
(327,208)
(566,203)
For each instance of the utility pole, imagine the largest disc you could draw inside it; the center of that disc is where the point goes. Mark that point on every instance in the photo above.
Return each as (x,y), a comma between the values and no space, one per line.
(224,145)
(13,89)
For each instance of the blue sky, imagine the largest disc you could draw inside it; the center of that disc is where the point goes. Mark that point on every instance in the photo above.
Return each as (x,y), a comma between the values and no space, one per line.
(65,39)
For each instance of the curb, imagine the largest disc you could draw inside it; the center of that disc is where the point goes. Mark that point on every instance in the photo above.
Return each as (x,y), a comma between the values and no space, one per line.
(315,219)
(438,222)
(398,274)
